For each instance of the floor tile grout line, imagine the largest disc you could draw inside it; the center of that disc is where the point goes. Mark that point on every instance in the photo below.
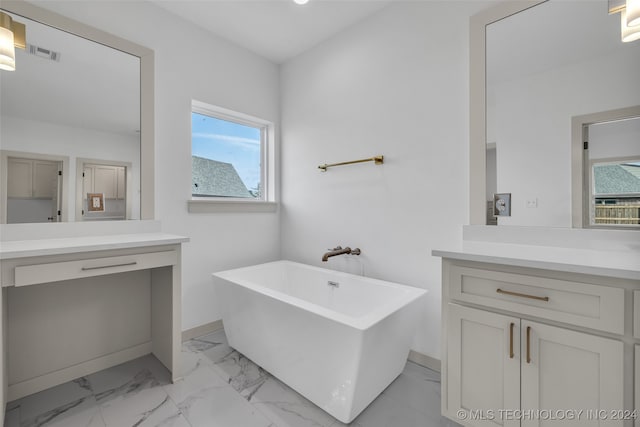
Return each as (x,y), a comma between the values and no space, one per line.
(177,406)
(267,417)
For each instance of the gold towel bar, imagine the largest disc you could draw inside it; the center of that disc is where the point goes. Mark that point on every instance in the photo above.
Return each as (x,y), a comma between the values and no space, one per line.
(377,159)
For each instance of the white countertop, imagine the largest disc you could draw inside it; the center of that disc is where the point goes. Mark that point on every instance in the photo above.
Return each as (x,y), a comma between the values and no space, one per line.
(610,263)
(28,248)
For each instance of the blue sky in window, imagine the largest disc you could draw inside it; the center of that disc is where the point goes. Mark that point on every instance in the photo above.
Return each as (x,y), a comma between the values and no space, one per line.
(228,142)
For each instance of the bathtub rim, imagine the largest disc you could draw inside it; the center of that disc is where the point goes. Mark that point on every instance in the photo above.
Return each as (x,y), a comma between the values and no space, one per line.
(411,295)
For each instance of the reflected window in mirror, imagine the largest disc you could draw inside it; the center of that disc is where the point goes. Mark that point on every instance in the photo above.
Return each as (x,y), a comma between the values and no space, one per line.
(72,97)
(612,153)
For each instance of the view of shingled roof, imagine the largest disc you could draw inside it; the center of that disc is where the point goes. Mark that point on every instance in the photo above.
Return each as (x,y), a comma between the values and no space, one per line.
(213,178)
(617,179)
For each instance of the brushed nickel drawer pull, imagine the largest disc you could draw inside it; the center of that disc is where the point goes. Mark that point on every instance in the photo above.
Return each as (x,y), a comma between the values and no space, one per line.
(109,266)
(517,294)
(511,340)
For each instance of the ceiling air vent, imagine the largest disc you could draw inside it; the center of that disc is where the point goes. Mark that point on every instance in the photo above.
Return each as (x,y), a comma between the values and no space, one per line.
(43,53)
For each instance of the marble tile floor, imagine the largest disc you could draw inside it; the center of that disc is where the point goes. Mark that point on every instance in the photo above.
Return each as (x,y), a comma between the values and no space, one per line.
(220,388)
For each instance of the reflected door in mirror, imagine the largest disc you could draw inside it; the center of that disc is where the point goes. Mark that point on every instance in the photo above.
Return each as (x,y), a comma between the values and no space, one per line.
(108,181)
(33,187)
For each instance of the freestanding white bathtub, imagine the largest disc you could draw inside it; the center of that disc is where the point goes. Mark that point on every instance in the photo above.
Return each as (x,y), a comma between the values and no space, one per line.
(336,338)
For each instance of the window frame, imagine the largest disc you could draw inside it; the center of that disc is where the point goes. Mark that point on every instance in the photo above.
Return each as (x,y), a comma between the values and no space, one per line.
(580,216)
(267,201)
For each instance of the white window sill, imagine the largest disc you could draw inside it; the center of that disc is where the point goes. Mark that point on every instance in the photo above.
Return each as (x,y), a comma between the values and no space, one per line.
(222,206)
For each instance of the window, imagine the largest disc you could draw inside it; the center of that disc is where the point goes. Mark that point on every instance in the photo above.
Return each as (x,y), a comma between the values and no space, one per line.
(230,157)
(605,169)
(612,173)
(615,193)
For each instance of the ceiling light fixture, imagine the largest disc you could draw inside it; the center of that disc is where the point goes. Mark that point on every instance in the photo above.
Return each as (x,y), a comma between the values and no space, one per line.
(629,34)
(630,18)
(12,35)
(633,13)
(301,1)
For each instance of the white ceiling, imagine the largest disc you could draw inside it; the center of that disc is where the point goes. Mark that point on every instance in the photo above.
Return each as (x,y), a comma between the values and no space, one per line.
(79,93)
(95,87)
(275,29)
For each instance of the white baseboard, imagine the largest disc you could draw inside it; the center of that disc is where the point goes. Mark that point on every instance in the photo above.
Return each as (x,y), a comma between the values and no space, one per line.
(424,360)
(43,382)
(201,330)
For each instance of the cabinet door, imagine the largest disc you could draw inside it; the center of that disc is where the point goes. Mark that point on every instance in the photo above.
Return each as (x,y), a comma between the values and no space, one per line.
(637,385)
(636,314)
(20,178)
(105,181)
(568,370)
(45,179)
(483,365)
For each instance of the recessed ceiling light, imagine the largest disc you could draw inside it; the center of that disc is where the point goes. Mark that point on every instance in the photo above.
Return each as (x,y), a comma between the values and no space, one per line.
(301,1)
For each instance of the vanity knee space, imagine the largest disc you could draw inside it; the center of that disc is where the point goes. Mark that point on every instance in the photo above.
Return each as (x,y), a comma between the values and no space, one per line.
(91,302)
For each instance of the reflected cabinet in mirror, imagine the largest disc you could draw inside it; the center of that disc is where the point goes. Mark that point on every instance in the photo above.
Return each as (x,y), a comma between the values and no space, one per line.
(76,124)
(542,75)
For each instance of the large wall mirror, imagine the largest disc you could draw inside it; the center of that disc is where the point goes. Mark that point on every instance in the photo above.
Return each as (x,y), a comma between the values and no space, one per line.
(538,68)
(76,124)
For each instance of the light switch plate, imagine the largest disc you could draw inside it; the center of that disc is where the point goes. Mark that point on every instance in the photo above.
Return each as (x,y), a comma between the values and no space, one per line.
(502,204)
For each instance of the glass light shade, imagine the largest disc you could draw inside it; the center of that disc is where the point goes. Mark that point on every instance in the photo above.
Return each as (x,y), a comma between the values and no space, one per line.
(7,50)
(633,13)
(629,34)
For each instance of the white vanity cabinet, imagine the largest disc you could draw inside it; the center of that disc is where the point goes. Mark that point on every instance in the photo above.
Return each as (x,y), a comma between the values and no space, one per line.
(522,345)
(74,306)
(497,362)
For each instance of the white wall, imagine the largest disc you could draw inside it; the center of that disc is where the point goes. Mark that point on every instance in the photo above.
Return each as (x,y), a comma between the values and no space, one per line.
(192,64)
(532,130)
(37,137)
(396,84)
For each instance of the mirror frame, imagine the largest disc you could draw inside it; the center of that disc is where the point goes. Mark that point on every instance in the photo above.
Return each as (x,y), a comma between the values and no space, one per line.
(146,55)
(477,102)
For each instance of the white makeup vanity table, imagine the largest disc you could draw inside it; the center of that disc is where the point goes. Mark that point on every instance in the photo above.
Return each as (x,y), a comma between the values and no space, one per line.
(81,295)
(76,305)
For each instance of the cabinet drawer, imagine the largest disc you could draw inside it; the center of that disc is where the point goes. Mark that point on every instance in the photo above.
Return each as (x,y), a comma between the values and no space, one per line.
(582,304)
(53,272)
(636,314)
